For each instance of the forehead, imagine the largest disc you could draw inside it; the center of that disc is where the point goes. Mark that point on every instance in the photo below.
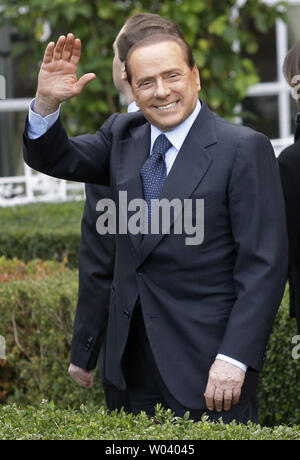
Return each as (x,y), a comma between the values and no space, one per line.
(156,58)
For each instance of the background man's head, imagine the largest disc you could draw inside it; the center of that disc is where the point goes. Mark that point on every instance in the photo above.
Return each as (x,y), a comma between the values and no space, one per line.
(164,79)
(135,29)
(291,70)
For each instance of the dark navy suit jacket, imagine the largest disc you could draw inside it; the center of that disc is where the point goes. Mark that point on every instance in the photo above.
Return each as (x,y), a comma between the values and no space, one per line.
(289,166)
(96,265)
(217,297)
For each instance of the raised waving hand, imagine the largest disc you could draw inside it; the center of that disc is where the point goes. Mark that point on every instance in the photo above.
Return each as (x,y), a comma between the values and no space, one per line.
(57,81)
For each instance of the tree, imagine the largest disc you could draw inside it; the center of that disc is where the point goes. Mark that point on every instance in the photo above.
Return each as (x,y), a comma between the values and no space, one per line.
(217,34)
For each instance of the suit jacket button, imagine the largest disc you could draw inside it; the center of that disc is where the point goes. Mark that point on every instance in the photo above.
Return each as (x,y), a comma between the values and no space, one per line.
(126,314)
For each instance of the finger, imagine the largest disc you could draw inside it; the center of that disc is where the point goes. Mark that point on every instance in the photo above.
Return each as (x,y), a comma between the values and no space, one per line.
(67,50)
(48,55)
(76,51)
(83,81)
(82,380)
(209,395)
(91,382)
(59,47)
(236,394)
(227,399)
(218,399)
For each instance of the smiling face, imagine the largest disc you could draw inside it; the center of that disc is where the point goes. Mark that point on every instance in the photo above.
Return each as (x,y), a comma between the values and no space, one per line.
(164,86)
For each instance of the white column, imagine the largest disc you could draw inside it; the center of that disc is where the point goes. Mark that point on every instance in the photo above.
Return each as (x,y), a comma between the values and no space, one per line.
(284,95)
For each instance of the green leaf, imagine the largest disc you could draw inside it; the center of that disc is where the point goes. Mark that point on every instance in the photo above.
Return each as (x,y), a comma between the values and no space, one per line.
(218,26)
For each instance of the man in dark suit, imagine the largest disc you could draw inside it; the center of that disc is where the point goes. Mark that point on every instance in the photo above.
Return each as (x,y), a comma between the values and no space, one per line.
(289,166)
(96,254)
(188,323)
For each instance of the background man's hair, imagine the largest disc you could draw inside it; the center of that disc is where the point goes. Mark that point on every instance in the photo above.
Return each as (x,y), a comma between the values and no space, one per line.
(291,67)
(140,26)
(161,38)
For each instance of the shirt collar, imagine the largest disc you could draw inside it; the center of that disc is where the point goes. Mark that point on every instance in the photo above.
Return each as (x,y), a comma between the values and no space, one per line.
(177,135)
(132,107)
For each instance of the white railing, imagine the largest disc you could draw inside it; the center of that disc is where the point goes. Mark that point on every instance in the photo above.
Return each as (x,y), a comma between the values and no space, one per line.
(37,187)
(34,186)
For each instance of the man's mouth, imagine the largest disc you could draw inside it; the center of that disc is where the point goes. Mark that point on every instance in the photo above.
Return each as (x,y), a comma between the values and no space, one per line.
(166,107)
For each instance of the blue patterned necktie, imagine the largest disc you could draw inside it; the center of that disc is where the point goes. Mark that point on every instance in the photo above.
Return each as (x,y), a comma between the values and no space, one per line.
(154,171)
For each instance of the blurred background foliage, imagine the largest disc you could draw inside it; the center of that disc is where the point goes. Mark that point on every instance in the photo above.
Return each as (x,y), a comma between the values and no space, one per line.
(222,42)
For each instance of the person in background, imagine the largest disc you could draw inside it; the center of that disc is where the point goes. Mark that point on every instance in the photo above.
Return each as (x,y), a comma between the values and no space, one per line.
(289,165)
(97,252)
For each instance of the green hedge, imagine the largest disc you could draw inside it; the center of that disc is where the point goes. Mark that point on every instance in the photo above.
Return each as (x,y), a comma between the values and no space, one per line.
(47,231)
(40,311)
(37,315)
(279,392)
(49,422)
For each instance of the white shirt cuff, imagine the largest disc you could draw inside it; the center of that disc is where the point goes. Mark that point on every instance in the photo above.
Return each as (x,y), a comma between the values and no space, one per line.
(232,361)
(37,125)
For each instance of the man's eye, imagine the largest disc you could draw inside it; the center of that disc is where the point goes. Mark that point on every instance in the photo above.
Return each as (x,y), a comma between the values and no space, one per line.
(145,84)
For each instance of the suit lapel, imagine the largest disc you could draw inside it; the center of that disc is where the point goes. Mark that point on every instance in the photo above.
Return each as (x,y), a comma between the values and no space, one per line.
(133,152)
(189,168)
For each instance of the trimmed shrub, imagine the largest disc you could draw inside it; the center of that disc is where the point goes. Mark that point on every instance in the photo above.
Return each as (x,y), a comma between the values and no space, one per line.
(49,422)
(37,314)
(279,392)
(37,304)
(46,231)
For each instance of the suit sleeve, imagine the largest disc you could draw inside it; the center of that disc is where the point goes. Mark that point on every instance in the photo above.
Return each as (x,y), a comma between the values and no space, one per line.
(96,262)
(83,158)
(258,223)
(289,166)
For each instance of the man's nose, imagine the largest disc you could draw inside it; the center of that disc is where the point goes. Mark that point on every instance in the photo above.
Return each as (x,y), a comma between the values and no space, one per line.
(162,89)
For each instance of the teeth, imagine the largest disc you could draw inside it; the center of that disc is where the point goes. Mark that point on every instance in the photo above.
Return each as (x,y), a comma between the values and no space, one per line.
(164,107)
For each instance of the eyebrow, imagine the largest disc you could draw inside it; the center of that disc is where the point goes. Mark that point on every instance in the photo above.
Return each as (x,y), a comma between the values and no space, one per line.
(141,80)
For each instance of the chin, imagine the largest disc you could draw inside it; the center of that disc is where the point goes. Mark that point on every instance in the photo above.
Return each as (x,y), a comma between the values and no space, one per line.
(170,125)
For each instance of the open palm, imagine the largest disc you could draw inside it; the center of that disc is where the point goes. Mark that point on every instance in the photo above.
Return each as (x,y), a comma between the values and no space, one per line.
(57,80)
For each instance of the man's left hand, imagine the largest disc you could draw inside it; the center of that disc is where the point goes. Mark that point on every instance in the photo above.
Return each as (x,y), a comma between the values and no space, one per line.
(224,386)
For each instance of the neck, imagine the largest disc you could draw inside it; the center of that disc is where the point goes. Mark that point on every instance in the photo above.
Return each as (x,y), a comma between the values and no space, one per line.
(128,95)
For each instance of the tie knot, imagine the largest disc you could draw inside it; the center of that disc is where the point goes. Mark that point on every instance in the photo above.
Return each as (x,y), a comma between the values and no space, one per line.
(161,145)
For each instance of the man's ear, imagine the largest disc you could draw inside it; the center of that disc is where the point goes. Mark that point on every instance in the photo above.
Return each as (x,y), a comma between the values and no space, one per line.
(123,73)
(197,76)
